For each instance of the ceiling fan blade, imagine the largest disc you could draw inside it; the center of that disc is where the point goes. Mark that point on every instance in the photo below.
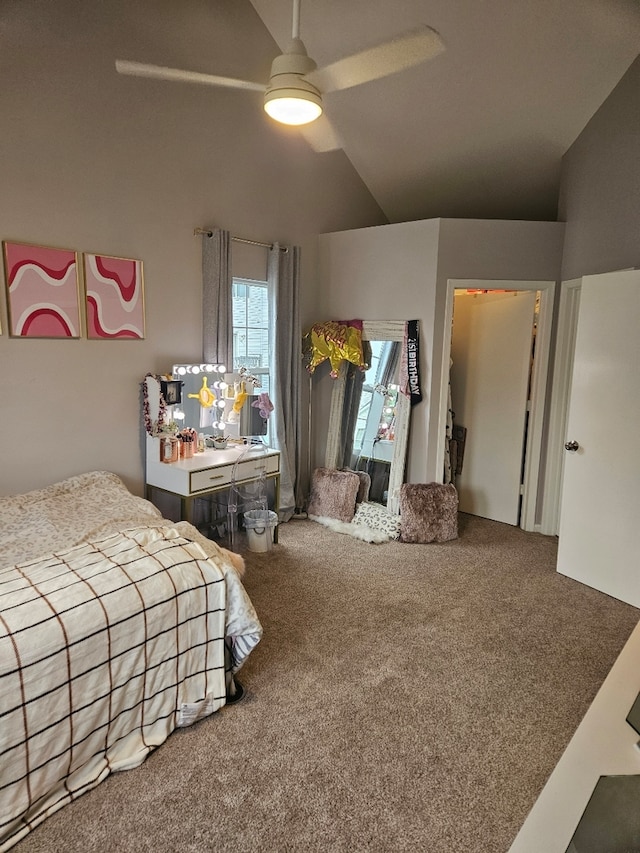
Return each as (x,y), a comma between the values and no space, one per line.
(404,51)
(159,72)
(321,135)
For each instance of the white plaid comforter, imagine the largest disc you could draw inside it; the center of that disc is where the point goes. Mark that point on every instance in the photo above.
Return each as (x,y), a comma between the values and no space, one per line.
(90,506)
(104,649)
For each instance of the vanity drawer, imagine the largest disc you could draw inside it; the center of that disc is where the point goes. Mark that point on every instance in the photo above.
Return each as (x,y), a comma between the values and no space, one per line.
(222,475)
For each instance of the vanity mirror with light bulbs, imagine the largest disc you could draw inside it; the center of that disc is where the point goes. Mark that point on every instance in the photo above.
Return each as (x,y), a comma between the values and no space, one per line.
(208,402)
(199,481)
(369,417)
(202,398)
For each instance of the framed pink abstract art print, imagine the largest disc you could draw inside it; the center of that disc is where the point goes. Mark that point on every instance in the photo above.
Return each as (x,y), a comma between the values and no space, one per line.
(42,291)
(115,298)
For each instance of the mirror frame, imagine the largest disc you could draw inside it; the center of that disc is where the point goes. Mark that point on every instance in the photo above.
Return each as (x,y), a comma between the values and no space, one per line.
(374,330)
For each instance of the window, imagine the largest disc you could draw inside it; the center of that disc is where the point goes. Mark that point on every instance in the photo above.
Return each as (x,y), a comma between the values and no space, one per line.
(251,336)
(251,333)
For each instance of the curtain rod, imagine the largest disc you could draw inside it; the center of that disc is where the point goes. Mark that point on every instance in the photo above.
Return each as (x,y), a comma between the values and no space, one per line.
(209,233)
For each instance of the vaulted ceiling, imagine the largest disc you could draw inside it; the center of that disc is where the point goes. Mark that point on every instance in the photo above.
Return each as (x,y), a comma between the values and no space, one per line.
(480,130)
(477,131)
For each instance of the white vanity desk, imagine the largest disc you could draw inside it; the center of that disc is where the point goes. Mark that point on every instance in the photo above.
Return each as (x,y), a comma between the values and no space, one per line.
(209,472)
(604,744)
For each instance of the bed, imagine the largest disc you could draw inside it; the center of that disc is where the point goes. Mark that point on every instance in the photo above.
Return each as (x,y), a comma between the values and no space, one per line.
(116,627)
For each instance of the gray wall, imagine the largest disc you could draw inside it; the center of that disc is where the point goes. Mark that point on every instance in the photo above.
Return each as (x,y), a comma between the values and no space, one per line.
(96,162)
(381,273)
(600,188)
(400,272)
(599,202)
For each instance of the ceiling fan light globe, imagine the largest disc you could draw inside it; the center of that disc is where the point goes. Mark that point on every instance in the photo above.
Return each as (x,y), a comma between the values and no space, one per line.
(293,106)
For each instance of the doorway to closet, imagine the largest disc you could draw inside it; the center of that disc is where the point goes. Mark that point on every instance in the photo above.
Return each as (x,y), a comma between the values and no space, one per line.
(498,353)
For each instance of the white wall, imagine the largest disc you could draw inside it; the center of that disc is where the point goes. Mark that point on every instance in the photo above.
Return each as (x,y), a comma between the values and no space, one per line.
(400,272)
(96,162)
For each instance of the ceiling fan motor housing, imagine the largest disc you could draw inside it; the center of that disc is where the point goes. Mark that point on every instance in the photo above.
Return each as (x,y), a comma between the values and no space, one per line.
(295,60)
(288,71)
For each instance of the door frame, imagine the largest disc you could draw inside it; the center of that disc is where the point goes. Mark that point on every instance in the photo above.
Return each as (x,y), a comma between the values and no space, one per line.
(567,328)
(538,384)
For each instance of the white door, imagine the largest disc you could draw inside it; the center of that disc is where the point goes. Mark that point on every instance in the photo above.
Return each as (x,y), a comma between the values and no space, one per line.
(491,354)
(599,542)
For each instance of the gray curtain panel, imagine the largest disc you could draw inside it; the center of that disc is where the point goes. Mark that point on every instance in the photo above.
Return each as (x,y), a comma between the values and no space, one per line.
(352,397)
(391,366)
(283,272)
(217,317)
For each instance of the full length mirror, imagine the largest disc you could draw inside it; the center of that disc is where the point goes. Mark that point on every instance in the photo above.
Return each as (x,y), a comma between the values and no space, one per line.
(369,419)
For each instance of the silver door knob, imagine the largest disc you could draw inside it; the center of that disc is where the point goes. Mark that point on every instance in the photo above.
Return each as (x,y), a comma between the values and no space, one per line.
(572,446)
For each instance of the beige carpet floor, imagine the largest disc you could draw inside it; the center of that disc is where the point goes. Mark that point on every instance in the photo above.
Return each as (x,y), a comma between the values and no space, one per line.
(404,698)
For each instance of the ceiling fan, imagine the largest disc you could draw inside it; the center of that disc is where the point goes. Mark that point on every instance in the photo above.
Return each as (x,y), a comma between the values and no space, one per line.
(294,92)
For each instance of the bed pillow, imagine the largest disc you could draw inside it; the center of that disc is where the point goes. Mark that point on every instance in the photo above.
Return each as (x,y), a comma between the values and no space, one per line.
(333,494)
(378,517)
(428,512)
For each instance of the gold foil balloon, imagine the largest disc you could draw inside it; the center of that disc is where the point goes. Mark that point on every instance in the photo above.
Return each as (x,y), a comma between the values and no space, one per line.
(336,342)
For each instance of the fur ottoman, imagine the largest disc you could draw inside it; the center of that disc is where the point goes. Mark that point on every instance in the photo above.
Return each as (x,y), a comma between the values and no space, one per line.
(333,494)
(428,512)
(365,484)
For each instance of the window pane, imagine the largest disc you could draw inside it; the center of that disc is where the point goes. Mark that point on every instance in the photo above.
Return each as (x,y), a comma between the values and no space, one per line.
(239,346)
(258,306)
(258,347)
(239,311)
